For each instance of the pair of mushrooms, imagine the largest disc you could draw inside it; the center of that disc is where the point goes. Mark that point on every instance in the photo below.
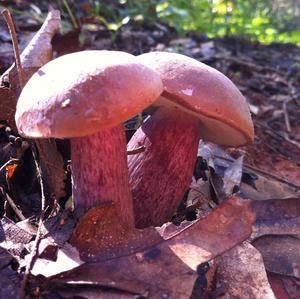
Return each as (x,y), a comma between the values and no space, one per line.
(86,96)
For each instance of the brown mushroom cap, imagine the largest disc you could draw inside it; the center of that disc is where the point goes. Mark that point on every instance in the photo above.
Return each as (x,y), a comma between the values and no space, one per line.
(81,93)
(206,93)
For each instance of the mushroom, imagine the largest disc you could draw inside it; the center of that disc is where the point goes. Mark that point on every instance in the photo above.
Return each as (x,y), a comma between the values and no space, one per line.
(197,102)
(86,96)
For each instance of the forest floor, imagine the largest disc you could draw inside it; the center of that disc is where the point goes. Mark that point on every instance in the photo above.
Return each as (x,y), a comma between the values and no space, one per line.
(267,173)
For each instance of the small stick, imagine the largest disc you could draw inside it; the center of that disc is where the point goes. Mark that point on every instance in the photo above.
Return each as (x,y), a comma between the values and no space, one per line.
(286,116)
(10,201)
(34,251)
(11,161)
(13,34)
(137,150)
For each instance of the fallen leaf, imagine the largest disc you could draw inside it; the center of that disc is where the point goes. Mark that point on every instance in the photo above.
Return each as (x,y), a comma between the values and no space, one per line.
(278,286)
(5,259)
(225,173)
(292,286)
(66,258)
(266,188)
(156,267)
(28,226)
(274,155)
(280,254)
(276,217)
(55,255)
(9,284)
(37,53)
(39,50)
(242,274)
(233,176)
(52,165)
(199,197)
(13,238)
(94,293)
(255,183)
(8,105)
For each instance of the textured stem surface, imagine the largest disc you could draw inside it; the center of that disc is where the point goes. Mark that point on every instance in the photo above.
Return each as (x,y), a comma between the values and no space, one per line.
(161,174)
(100,172)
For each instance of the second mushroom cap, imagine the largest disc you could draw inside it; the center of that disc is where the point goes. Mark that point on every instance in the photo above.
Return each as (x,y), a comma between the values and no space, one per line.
(206,93)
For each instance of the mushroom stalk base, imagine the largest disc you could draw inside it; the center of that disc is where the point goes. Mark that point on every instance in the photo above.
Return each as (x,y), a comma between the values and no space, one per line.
(100,172)
(161,174)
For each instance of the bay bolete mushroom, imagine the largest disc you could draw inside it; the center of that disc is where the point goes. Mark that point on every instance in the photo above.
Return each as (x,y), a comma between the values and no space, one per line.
(86,96)
(197,102)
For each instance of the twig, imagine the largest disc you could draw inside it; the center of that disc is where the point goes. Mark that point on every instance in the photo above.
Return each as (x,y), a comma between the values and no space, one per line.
(11,161)
(17,211)
(296,99)
(34,251)
(13,34)
(137,150)
(288,139)
(277,135)
(286,116)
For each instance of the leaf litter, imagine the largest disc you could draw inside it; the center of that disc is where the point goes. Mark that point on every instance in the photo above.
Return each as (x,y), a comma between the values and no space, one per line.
(175,254)
(159,259)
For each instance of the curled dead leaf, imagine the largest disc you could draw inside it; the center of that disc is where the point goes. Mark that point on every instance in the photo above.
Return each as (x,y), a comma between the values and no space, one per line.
(37,53)
(156,260)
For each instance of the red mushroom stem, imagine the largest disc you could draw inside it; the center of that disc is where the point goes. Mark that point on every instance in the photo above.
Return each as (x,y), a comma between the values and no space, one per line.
(171,139)
(100,172)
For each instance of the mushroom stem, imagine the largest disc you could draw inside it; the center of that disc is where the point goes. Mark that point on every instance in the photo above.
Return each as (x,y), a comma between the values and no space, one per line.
(160,175)
(100,172)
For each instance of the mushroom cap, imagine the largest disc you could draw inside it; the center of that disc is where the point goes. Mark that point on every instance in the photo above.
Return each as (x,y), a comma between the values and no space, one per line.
(81,93)
(205,93)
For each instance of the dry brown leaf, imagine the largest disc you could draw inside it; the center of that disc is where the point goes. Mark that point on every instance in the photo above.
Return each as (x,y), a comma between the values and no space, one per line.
(292,286)
(94,293)
(267,187)
(55,255)
(266,184)
(8,106)
(199,197)
(52,165)
(274,154)
(233,175)
(5,259)
(278,286)
(280,254)
(37,53)
(276,217)
(12,237)
(155,261)
(66,258)
(9,285)
(242,274)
